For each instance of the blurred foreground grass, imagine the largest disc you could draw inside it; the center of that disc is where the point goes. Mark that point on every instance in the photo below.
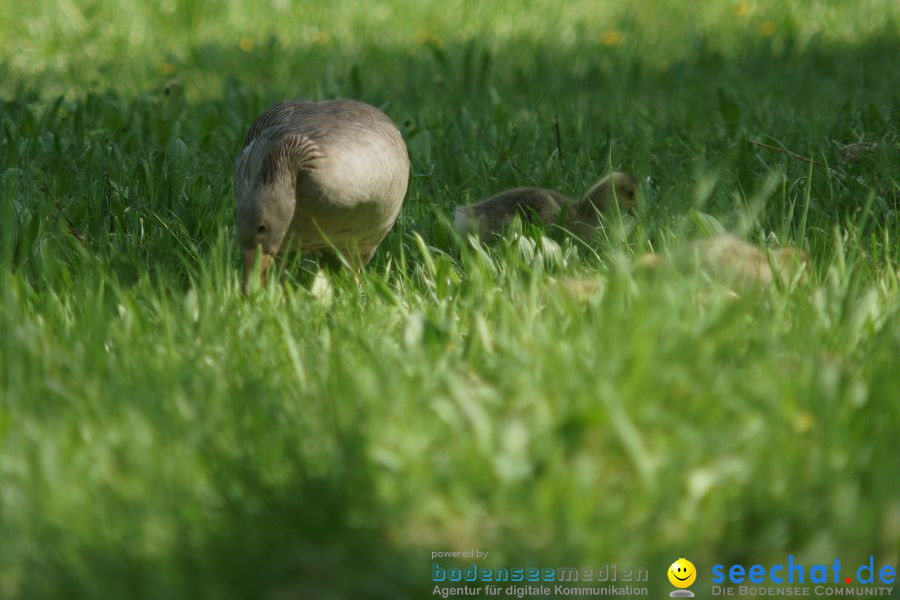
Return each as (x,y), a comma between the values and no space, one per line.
(162,436)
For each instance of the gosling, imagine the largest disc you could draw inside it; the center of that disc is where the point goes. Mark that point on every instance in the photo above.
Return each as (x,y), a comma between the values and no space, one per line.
(492,216)
(731,261)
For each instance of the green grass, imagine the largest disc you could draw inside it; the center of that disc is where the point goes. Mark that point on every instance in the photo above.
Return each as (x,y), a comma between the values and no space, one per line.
(165,437)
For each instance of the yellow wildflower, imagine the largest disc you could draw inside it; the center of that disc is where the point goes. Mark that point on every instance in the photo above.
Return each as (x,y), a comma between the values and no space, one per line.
(611,37)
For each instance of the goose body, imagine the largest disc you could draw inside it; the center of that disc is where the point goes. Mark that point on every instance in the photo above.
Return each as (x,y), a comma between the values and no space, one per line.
(318,176)
(493,215)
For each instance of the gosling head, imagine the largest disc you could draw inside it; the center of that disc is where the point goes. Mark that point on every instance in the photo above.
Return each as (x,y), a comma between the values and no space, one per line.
(264,215)
(793,260)
(615,188)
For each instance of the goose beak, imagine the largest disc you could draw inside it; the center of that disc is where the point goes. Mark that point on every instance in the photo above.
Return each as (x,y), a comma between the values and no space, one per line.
(265,261)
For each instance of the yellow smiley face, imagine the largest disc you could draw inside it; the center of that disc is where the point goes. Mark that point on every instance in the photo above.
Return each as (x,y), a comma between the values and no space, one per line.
(682,573)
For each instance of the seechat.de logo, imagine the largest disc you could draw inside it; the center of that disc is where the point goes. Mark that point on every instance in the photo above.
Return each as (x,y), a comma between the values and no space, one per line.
(796,573)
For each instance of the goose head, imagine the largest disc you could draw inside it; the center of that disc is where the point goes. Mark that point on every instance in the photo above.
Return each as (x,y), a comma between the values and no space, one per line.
(264,215)
(615,188)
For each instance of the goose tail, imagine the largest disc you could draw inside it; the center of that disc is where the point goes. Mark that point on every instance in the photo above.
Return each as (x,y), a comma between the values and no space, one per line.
(464,221)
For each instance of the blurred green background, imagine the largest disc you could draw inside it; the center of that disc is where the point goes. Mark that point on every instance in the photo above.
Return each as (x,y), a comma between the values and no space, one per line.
(165,437)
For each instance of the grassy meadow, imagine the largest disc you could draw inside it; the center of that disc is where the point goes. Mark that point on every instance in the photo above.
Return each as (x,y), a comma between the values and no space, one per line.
(542,398)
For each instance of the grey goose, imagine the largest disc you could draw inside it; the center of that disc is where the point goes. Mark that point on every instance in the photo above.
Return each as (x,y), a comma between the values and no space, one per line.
(318,176)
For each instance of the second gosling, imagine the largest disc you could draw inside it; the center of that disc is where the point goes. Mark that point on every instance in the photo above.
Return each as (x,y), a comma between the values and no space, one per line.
(726,259)
(493,215)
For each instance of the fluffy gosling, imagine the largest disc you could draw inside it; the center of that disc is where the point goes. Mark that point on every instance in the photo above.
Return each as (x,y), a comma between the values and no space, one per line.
(493,215)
